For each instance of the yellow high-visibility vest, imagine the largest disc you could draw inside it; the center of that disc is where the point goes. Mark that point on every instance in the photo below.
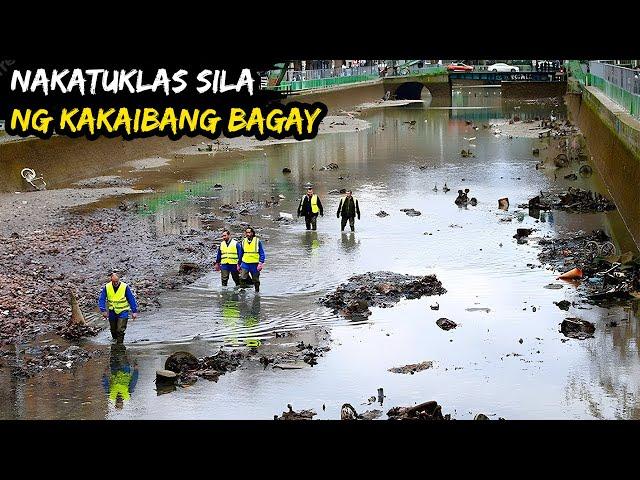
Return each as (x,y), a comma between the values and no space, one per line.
(117,300)
(314,203)
(250,251)
(119,384)
(228,253)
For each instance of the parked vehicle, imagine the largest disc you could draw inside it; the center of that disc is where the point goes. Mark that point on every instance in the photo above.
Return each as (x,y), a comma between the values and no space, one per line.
(459,67)
(503,67)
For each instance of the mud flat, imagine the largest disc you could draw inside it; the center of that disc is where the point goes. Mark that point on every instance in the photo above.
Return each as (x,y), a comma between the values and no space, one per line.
(51,249)
(330,124)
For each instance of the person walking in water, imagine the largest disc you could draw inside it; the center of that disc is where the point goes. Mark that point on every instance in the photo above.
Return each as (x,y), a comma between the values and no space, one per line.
(228,259)
(253,257)
(348,208)
(115,302)
(310,206)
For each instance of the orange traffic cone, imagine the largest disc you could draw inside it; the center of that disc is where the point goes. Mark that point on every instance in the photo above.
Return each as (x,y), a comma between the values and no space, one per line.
(571,274)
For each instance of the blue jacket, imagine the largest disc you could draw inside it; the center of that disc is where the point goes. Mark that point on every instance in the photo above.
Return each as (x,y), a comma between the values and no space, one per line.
(229,266)
(102,301)
(252,267)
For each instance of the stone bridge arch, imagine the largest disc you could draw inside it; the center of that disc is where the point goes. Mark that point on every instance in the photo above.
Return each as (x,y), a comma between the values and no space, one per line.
(412,87)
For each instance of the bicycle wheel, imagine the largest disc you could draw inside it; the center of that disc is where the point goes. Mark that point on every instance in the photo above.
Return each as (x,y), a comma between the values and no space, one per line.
(607,249)
(592,249)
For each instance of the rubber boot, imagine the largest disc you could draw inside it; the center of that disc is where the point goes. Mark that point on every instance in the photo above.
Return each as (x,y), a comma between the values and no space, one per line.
(257,285)
(224,284)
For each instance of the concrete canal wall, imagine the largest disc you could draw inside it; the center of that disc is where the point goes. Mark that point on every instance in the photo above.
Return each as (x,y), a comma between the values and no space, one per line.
(613,138)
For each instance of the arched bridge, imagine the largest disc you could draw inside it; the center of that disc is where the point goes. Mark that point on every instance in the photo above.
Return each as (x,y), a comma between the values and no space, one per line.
(411,85)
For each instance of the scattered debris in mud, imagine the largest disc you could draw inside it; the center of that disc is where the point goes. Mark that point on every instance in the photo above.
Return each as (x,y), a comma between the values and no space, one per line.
(293,415)
(424,411)
(311,353)
(188,368)
(34,293)
(412,368)
(573,200)
(446,324)
(35,359)
(379,289)
(577,328)
(75,331)
(106,181)
(330,166)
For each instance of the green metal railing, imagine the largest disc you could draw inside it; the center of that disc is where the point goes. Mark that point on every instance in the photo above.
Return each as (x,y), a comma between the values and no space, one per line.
(627,100)
(298,85)
(575,69)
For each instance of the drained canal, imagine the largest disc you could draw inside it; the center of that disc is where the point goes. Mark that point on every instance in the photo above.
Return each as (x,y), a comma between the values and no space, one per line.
(506,358)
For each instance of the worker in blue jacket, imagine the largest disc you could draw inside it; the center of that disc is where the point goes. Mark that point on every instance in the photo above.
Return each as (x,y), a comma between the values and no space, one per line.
(115,302)
(252,259)
(228,258)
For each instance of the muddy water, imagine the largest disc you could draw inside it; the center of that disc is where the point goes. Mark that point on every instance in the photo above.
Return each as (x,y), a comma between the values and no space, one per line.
(492,293)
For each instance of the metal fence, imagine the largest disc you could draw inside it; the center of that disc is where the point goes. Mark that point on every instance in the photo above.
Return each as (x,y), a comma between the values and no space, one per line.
(298,85)
(626,78)
(620,84)
(302,75)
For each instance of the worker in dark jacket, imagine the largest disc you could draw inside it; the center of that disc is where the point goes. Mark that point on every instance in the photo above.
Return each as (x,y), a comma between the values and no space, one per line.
(348,208)
(310,206)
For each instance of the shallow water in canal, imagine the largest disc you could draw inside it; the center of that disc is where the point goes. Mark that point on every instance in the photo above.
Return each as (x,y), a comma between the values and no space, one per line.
(470,250)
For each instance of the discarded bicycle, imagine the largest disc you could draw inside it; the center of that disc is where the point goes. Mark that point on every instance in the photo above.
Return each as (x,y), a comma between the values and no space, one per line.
(30,176)
(595,249)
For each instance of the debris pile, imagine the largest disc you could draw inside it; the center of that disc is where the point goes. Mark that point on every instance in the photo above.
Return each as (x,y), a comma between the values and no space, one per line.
(411,212)
(75,331)
(347,412)
(573,200)
(412,368)
(331,166)
(37,359)
(604,278)
(463,200)
(189,368)
(293,415)
(379,289)
(577,328)
(424,411)
(446,324)
(311,353)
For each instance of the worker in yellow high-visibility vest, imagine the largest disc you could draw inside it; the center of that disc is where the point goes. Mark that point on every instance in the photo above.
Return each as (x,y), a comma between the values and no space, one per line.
(228,258)
(252,259)
(115,302)
(310,206)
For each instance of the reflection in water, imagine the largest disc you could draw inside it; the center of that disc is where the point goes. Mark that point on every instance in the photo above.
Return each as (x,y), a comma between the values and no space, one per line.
(348,242)
(238,314)
(120,380)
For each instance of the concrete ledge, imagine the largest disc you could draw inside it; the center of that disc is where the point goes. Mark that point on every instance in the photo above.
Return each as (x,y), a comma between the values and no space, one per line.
(626,127)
